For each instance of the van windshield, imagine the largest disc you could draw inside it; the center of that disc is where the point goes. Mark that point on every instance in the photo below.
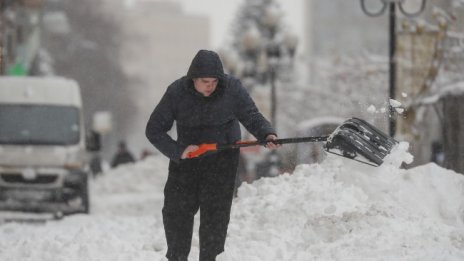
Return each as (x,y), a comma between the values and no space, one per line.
(38,124)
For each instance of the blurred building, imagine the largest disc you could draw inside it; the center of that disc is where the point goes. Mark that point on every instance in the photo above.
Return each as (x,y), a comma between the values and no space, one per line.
(20,34)
(159,42)
(347,53)
(340,28)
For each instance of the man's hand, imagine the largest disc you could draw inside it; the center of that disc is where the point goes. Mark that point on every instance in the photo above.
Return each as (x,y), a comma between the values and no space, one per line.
(189,148)
(271,145)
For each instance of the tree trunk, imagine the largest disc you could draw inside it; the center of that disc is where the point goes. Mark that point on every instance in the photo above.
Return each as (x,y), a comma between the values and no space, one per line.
(453,132)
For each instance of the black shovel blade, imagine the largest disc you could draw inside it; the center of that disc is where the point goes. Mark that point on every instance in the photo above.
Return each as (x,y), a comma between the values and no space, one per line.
(359,140)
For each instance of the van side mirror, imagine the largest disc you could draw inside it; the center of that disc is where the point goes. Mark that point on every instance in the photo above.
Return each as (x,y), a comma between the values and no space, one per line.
(93,141)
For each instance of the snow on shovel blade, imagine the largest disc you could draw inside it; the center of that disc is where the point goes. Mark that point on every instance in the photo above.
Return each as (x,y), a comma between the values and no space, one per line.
(359,140)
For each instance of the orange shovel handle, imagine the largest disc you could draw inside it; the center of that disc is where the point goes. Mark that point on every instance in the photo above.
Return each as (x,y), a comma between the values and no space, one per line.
(202,149)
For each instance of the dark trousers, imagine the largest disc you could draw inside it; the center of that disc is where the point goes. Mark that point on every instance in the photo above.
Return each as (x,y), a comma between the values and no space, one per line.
(205,183)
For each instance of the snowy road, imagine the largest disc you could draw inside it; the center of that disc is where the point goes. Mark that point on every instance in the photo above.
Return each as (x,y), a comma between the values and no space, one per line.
(338,210)
(125,223)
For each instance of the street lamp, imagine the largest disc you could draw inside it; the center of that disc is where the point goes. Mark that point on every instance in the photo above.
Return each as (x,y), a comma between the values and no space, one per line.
(264,52)
(391,4)
(273,51)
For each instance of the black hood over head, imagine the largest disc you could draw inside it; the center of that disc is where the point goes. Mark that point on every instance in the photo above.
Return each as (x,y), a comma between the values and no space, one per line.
(206,64)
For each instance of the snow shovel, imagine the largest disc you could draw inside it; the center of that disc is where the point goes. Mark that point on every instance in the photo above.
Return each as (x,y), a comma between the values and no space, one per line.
(358,140)
(354,139)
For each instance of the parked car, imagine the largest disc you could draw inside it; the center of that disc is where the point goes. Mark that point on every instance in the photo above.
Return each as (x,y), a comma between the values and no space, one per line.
(314,152)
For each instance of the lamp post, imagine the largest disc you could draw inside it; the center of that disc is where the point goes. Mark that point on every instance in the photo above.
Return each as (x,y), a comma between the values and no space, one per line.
(273,51)
(391,5)
(264,51)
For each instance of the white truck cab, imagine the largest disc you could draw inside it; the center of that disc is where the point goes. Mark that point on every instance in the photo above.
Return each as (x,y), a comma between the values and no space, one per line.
(43,150)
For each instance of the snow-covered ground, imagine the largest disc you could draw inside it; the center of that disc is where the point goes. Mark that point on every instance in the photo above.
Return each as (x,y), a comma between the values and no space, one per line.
(336,210)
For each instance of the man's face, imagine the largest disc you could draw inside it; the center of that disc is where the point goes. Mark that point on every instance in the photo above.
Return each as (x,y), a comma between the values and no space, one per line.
(205,86)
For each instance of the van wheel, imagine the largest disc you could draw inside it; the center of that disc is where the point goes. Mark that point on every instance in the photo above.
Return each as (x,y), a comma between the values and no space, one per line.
(77,198)
(84,195)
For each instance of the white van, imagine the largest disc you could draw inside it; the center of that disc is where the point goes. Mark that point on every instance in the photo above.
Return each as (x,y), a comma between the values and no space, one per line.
(43,150)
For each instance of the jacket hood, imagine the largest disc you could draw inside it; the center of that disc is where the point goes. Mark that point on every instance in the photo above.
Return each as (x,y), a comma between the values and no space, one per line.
(206,64)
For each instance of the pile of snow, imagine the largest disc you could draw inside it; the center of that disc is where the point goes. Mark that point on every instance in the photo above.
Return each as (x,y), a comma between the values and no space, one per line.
(336,210)
(340,210)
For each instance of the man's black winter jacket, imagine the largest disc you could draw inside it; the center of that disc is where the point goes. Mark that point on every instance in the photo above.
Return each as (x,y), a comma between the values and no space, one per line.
(199,119)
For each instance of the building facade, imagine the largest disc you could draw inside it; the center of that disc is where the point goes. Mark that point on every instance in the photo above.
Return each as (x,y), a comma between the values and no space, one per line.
(160,40)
